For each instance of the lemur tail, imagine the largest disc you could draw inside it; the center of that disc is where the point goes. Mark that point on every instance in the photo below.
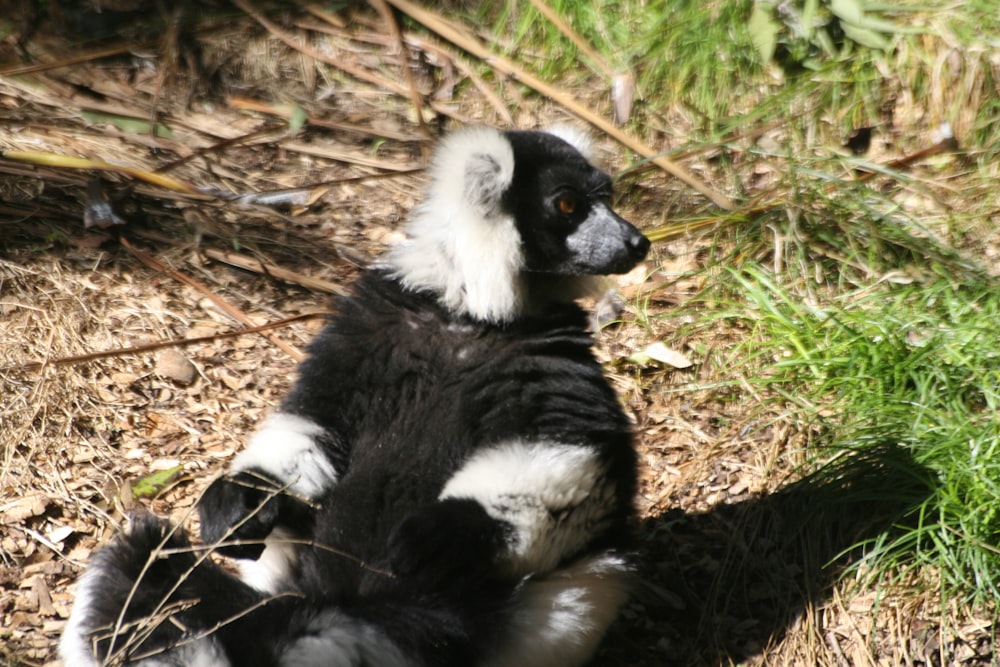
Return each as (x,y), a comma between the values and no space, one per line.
(150,598)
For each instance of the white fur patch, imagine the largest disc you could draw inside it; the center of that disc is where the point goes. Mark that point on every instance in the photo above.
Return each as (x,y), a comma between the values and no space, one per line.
(286,449)
(334,639)
(198,653)
(276,564)
(575,137)
(561,617)
(556,497)
(460,245)
(74,648)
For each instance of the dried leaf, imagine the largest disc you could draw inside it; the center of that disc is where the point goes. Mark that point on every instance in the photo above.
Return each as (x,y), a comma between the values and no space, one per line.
(59,534)
(23,508)
(173,365)
(154,483)
(622,95)
(660,353)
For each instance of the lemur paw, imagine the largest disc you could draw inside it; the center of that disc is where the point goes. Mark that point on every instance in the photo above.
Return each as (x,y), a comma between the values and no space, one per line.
(239,511)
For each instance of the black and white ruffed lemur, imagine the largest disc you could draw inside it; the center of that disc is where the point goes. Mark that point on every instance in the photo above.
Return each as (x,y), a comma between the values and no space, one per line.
(450,429)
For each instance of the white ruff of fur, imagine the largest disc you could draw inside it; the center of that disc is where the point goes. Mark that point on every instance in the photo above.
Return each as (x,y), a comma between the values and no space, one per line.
(460,244)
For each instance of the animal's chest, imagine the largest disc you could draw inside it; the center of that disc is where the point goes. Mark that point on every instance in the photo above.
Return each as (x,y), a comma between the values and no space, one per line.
(429,391)
(418,392)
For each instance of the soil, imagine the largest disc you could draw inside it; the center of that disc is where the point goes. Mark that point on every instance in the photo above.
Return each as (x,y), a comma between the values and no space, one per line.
(101,260)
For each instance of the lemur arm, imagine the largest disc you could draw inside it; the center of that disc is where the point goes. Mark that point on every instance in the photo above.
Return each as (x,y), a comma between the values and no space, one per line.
(285,466)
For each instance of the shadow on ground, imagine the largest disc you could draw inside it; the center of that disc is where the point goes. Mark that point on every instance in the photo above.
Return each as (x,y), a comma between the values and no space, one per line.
(729,582)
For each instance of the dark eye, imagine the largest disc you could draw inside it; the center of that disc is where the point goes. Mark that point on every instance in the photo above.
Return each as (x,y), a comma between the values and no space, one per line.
(566,203)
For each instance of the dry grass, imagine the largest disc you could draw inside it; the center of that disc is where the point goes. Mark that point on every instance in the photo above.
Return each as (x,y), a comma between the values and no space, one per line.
(730,573)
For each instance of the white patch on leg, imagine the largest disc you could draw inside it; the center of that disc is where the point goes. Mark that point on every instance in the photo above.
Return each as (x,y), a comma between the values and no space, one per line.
(276,564)
(286,448)
(331,638)
(560,618)
(204,652)
(556,497)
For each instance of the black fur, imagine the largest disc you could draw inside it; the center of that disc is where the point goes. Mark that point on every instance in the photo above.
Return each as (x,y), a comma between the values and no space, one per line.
(430,627)
(408,400)
(544,171)
(246,509)
(415,390)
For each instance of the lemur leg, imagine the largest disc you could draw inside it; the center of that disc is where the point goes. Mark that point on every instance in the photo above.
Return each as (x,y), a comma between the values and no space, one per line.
(561,617)
(265,500)
(553,498)
(525,509)
(526,506)
(294,451)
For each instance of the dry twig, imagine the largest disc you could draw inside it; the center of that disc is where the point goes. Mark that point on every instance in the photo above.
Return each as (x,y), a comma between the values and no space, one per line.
(460,38)
(300,45)
(397,36)
(159,345)
(256,266)
(228,308)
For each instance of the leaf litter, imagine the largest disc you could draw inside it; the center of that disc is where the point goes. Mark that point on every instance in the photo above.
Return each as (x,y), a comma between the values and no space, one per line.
(93,423)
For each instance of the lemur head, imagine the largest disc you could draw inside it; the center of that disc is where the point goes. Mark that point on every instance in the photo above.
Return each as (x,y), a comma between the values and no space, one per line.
(508,215)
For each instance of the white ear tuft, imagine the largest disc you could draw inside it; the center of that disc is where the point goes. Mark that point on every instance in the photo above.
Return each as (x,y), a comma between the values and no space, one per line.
(575,137)
(474,166)
(461,243)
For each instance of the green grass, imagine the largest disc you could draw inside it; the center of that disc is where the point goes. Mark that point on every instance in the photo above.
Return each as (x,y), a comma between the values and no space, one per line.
(913,367)
(873,324)
(868,309)
(870,316)
(704,60)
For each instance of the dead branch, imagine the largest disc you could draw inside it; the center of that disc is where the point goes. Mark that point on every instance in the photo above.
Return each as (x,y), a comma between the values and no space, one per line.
(460,38)
(428,44)
(249,264)
(228,308)
(86,56)
(397,36)
(300,45)
(159,345)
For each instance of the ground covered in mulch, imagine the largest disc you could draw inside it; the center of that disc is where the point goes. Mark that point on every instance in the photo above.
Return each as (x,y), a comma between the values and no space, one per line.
(105,260)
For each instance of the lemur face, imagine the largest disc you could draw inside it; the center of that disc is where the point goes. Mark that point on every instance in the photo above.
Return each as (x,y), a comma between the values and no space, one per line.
(559,202)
